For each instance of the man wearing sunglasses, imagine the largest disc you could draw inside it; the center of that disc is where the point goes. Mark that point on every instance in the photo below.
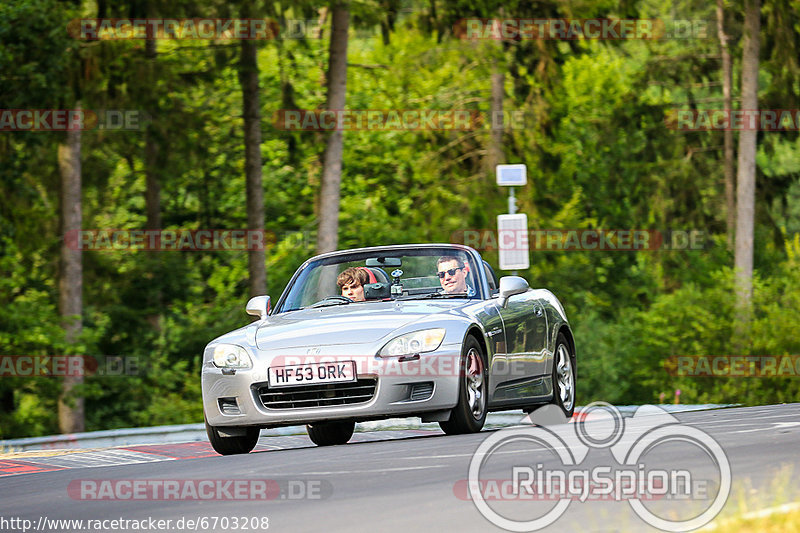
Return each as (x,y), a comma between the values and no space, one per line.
(453,276)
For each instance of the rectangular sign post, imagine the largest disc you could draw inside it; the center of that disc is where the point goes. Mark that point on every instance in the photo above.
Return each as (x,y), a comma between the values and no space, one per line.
(512,229)
(511,175)
(512,242)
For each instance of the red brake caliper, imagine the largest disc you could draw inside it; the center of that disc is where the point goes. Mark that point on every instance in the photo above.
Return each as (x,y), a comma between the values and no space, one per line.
(473,365)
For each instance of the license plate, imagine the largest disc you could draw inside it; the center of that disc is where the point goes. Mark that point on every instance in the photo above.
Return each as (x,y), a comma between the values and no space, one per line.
(311,373)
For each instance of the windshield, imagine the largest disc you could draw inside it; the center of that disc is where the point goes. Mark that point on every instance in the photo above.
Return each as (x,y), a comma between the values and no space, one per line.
(381,275)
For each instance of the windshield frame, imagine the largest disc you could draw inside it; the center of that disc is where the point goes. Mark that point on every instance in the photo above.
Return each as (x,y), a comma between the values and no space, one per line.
(481,291)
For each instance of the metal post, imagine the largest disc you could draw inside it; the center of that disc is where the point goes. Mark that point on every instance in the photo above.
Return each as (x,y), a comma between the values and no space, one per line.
(512,210)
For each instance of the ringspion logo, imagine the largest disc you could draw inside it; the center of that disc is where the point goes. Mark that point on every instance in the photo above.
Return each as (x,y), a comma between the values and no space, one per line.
(634,471)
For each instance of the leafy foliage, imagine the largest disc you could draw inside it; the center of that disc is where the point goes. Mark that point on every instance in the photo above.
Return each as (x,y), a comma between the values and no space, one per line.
(594,134)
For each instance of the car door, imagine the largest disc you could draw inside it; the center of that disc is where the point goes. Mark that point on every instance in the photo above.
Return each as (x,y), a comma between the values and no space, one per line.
(525,325)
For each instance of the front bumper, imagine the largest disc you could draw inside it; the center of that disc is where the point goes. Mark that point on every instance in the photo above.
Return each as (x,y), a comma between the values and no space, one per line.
(234,400)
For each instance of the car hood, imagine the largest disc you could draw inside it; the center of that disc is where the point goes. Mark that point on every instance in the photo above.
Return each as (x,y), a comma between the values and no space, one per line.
(345,324)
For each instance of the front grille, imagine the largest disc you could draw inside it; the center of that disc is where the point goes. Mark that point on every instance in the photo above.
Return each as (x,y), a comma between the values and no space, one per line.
(322,395)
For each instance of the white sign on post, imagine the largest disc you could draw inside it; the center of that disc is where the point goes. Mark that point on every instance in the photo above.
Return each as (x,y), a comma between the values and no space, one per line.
(511,175)
(512,242)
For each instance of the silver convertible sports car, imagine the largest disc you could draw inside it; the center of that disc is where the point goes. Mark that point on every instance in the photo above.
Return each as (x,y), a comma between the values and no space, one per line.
(393,331)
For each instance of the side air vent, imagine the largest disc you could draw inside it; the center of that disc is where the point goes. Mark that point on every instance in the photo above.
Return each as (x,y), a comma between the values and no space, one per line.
(228,406)
(421,391)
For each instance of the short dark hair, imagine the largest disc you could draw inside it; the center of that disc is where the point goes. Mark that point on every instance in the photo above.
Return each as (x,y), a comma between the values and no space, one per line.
(352,274)
(447,259)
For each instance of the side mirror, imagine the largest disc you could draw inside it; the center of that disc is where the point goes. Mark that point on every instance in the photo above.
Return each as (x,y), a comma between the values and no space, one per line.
(258,306)
(511,285)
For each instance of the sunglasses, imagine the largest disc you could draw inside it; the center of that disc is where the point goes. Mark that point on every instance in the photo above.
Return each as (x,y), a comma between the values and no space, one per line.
(450,272)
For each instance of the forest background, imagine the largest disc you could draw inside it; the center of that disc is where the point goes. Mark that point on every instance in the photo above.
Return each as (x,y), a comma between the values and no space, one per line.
(593,120)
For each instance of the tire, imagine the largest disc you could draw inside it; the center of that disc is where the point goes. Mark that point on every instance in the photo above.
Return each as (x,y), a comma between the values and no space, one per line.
(330,433)
(565,376)
(232,445)
(469,414)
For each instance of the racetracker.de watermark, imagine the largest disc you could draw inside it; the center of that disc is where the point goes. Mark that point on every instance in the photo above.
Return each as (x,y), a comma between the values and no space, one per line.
(188,28)
(285,370)
(647,468)
(734,119)
(28,366)
(149,523)
(168,240)
(99,29)
(72,119)
(564,240)
(199,489)
(733,366)
(395,119)
(565,29)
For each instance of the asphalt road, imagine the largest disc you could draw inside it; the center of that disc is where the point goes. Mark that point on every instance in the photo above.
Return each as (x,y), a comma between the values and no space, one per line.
(401,480)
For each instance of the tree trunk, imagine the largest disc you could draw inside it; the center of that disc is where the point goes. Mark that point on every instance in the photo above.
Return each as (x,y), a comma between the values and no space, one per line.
(388,19)
(152,191)
(153,186)
(323,16)
(495,152)
(152,198)
(248,78)
(328,230)
(70,407)
(7,404)
(746,176)
(730,184)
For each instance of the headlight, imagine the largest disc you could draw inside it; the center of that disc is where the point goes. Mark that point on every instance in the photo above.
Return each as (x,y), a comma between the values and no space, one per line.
(426,340)
(231,356)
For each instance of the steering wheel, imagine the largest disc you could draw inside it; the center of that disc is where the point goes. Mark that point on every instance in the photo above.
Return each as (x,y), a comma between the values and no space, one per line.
(336,298)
